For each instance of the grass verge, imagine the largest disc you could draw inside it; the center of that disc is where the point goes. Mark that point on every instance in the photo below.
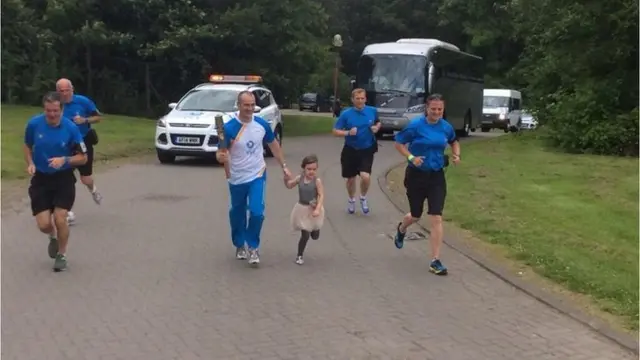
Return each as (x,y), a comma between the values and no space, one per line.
(303,125)
(571,218)
(120,136)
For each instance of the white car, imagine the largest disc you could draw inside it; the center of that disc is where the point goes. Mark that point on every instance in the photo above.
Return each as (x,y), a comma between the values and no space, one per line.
(528,121)
(189,128)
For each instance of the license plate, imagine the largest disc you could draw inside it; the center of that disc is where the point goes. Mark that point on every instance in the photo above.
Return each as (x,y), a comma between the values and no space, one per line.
(187,140)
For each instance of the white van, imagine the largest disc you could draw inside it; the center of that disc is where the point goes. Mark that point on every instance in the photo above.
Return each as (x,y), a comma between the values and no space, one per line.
(501,109)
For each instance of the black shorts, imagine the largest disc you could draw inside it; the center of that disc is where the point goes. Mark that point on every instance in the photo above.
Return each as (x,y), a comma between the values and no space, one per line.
(50,191)
(87,168)
(355,161)
(425,185)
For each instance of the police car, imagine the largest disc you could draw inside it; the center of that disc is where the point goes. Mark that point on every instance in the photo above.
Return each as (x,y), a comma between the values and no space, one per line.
(189,128)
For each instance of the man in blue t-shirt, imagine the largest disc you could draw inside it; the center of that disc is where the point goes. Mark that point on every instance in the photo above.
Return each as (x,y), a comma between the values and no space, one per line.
(358,125)
(83,112)
(244,135)
(423,142)
(53,146)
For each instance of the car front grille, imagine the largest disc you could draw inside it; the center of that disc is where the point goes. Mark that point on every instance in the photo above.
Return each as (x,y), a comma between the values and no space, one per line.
(194,126)
(490,117)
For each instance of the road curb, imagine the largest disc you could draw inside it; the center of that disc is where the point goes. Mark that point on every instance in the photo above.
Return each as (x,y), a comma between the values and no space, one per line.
(551,300)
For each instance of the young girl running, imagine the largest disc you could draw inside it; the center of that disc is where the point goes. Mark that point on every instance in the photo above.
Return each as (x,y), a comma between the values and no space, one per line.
(307,215)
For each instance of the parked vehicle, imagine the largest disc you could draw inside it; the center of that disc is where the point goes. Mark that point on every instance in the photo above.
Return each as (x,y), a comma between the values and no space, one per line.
(398,76)
(315,102)
(501,109)
(528,121)
(189,128)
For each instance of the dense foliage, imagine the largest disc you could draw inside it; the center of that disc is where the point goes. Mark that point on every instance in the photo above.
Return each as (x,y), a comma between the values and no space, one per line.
(576,62)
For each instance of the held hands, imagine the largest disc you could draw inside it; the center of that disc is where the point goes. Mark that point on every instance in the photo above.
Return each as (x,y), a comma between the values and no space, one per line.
(57,162)
(286,172)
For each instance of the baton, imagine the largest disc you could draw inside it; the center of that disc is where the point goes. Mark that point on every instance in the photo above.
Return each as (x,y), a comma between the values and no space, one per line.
(222,144)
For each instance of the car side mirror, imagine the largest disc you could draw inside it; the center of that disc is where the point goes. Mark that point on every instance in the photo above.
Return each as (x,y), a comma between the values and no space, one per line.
(257,109)
(173,105)
(353,83)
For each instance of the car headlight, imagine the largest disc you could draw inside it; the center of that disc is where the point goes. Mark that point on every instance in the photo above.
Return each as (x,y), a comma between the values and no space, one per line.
(416,108)
(161,123)
(502,116)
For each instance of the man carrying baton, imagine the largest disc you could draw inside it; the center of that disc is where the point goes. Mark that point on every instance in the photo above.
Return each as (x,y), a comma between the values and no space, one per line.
(242,153)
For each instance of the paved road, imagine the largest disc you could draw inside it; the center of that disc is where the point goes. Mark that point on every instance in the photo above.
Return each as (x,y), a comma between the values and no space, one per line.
(153,276)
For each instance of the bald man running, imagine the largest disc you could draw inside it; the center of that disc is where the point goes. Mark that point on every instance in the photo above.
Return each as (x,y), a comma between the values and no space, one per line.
(83,112)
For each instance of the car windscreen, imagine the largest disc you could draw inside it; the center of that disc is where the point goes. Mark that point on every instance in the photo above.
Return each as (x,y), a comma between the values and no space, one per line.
(209,100)
(495,101)
(309,97)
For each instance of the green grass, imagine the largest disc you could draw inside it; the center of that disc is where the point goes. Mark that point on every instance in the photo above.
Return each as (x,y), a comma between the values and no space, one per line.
(572,218)
(303,125)
(120,136)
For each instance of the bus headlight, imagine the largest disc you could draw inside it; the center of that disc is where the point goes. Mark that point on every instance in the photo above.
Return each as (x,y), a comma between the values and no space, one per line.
(416,109)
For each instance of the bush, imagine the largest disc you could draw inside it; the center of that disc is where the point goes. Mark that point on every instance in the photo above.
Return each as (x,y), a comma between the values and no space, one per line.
(589,121)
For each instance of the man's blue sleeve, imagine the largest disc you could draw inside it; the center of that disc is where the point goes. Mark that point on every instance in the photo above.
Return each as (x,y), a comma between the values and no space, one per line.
(269,136)
(231,130)
(77,141)
(341,122)
(29,133)
(90,107)
(451,134)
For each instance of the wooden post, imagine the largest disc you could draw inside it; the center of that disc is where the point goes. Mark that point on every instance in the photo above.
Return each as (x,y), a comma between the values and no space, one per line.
(87,59)
(147,87)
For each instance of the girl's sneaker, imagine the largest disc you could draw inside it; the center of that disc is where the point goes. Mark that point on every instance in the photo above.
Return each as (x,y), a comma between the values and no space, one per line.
(299,260)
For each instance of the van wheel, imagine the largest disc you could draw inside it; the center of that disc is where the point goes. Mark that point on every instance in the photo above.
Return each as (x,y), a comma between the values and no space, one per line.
(517,127)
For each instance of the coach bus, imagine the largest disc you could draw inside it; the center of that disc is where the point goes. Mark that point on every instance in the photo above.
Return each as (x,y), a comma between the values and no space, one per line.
(398,76)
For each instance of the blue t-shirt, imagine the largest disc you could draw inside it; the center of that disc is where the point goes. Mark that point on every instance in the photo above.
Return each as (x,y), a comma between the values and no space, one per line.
(428,140)
(82,106)
(362,120)
(48,141)
(246,159)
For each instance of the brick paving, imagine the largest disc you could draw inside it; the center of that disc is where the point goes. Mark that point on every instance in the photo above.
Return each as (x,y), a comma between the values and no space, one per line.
(152,276)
